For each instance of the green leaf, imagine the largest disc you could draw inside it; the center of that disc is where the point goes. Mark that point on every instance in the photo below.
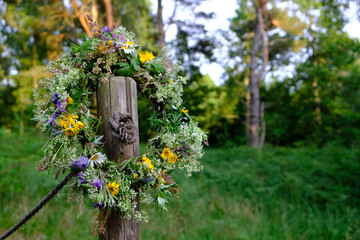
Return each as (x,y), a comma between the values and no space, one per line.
(124,70)
(157,68)
(135,64)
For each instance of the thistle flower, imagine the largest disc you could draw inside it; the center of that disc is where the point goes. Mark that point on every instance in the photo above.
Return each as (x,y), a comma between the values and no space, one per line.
(82,163)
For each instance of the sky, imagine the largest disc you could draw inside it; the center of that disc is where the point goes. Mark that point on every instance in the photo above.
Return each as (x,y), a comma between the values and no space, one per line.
(225,10)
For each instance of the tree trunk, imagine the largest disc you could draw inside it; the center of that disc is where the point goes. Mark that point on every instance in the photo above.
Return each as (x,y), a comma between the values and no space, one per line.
(254,88)
(259,40)
(118,94)
(160,25)
(81,18)
(109,14)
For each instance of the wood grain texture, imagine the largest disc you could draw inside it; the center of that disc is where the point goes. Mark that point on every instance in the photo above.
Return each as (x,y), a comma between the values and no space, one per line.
(118,94)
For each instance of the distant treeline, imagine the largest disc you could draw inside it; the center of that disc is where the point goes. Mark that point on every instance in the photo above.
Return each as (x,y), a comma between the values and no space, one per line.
(316,104)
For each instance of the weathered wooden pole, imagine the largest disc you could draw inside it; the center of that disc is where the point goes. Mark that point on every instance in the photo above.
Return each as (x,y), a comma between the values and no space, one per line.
(118,94)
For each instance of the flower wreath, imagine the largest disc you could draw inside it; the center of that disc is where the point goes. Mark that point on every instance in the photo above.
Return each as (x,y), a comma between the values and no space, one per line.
(63,109)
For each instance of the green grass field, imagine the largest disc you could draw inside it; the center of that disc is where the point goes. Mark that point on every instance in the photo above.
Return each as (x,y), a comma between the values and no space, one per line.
(276,193)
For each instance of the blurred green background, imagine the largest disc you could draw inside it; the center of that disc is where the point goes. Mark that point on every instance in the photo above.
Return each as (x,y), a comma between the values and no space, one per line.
(283,118)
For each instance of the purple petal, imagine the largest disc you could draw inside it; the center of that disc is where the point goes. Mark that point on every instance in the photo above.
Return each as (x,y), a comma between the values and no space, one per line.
(82,163)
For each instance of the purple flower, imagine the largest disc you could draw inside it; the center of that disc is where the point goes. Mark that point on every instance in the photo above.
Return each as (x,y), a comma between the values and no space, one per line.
(57,132)
(121,36)
(98,205)
(58,104)
(107,29)
(52,119)
(148,179)
(83,181)
(96,183)
(114,36)
(82,163)
(55,98)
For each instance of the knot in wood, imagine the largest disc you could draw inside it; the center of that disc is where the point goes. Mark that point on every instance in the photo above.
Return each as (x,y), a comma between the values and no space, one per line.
(123,128)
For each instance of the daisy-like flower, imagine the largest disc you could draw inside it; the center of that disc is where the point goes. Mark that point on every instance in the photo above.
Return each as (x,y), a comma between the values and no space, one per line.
(97,158)
(128,47)
(148,163)
(113,188)
(166,153)
(172,158)
(146,56)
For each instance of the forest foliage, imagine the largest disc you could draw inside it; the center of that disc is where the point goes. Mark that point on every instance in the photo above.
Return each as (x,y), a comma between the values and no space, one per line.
(316,104)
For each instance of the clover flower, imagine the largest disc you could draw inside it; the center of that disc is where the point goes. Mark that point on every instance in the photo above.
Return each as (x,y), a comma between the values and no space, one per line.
(82,163)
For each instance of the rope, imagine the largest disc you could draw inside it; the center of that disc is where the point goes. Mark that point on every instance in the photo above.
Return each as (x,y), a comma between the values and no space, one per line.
(39,206)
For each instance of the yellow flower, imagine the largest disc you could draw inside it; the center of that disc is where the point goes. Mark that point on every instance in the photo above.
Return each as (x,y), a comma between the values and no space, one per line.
(166,153)
(184,110)
(148,163)
(69,100)
(128,45)
(79,125)
(64,123)
(172,158)
(67,120)
(70,131)
(102,48)
(161,179)
(136,176)
(110,43)
(113,188)
(146,56)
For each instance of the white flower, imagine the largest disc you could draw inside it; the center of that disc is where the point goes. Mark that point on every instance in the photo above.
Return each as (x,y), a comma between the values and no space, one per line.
(97,158)
(128,47)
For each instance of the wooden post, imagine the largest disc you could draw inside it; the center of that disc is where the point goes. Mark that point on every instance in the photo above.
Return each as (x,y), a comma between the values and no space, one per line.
(118,94)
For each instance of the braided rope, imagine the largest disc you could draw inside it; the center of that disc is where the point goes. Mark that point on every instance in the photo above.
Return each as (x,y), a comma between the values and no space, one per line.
(39,206)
